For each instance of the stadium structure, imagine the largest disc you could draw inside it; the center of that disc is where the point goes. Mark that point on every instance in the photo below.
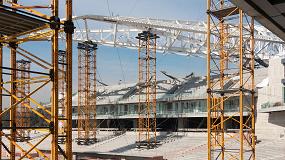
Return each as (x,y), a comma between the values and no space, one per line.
(181,103)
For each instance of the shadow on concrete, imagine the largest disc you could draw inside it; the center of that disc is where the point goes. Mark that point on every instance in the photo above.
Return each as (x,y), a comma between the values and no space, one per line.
(161,139)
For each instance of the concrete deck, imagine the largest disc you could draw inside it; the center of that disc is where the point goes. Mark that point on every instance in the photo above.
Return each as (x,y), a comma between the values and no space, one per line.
(173,146)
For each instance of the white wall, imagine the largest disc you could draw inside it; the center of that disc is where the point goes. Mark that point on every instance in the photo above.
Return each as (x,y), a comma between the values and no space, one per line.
(271,125)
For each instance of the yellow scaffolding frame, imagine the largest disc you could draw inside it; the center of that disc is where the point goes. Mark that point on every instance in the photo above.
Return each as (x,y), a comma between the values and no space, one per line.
(49,77)
(23,89)
(86,93)
(230,75)
(147,90)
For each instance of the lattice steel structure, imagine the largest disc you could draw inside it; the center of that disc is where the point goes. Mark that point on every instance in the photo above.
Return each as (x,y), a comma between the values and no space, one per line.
(62,90)
(181,37)
(24,22)
(86,93)
(147,90)
(230,72)
(23,88)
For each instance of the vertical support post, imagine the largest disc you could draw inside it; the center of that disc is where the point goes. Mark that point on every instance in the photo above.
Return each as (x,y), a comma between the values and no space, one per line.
(252,104)
(69,29)
(241,83)
(209,105)
(154,88)
(1,80)
(1,103)
(13,100)
(54,108)
(140,117)
(1,100)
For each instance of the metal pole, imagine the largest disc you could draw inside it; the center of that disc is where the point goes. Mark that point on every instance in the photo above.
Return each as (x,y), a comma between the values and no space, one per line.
(208,78)
(68,110)
(253,108)
(13,101)
(241,83)
(140,119)
(54,109)
(1,80)
(222,76)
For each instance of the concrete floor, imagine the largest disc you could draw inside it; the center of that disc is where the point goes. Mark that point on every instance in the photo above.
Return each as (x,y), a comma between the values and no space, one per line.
(174,146)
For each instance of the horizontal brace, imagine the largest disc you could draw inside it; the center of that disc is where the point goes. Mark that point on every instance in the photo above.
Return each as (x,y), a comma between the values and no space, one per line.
(24,127)
(29,7)
(6,73)
(62,63)
(62,119)
(62,136)
(14,69)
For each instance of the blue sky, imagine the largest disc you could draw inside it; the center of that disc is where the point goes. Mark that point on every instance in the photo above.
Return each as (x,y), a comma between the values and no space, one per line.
(115,64)
(108,62)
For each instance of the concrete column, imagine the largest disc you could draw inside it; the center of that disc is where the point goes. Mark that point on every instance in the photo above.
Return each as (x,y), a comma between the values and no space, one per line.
(135,123)
(181,123)
(108,123)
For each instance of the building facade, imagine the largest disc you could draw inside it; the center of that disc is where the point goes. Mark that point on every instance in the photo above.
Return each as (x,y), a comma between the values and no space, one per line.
(181,103)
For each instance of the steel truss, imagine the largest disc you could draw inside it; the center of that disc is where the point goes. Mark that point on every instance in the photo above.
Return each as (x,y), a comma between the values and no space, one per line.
(147,90)
(188,38)
(86,93)
(22,90)
(231,131)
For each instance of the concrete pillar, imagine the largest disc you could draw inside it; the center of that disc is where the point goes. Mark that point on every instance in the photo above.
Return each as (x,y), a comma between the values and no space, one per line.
(135,123)
(181,123)
(108,123)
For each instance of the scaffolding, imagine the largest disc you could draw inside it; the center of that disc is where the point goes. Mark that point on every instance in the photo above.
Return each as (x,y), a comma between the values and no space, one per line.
(86,93)
(62,65)
(21,23)
(23,89)
(230,73)
(147,90)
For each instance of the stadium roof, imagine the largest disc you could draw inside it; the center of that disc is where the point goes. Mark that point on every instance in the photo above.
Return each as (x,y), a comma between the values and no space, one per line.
(269,13)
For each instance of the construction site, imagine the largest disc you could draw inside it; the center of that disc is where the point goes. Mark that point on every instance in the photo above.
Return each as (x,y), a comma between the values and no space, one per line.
(142,80)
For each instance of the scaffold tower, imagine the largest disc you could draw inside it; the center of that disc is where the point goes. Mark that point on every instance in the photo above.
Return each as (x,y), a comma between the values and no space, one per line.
(23,84)
(62,90)
(230,74)
(86,93)
(147,90)
(23,89)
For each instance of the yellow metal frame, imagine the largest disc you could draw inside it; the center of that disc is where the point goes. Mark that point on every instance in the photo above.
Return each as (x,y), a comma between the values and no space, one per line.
(228,63)
(21,96)
(86,94)
(147,90)
(23,89)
